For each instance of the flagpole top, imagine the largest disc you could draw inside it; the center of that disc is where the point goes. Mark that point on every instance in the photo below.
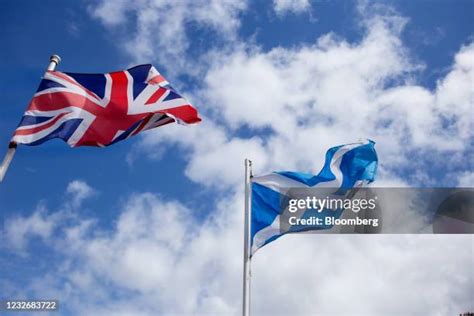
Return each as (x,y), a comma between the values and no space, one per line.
(55,58)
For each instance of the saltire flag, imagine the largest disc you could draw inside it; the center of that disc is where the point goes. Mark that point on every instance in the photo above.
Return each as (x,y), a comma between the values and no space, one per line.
(346,166)
(101,109)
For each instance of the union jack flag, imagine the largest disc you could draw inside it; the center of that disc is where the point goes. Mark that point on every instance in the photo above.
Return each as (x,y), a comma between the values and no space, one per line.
(101,109)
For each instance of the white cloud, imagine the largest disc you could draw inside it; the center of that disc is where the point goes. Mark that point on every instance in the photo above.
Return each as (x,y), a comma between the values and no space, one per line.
(78,192)
(296,103)
(157,258)
(155,250)
(308,96)
(295,6)
(466,179)
(19,230)
(162,27)
(111,13)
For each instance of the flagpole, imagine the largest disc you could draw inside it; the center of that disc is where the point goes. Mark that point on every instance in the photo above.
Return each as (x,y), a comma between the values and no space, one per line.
(54,60)
(247,259)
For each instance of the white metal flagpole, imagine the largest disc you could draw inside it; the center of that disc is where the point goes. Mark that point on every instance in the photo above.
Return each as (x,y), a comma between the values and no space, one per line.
(54,60)
(247,259)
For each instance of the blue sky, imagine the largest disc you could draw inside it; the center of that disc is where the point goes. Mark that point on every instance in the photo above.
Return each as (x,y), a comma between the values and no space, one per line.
(85,46)
(424,36)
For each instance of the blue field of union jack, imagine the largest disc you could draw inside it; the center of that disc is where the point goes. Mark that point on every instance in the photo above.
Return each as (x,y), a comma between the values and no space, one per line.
(101,109)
